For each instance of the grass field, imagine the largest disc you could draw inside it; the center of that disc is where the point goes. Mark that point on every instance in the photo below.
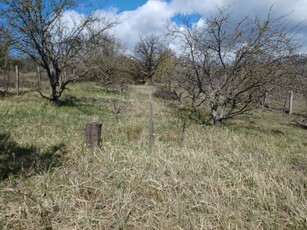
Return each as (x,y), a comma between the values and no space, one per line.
(251,173)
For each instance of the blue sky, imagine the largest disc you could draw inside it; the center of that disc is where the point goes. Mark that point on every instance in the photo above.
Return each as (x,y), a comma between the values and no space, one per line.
(143,17)
(126,5)
(122,5)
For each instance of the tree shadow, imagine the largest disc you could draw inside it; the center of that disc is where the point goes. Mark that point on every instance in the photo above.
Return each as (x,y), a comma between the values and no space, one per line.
(72,101)
(300,123)
(251,127)
(26,161)
(5,94)
(69,101)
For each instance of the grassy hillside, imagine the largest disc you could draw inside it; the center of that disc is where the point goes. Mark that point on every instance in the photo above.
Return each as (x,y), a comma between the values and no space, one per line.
(251,173)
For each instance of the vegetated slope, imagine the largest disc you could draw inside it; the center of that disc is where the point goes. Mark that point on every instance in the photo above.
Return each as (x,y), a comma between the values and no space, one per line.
(248,174)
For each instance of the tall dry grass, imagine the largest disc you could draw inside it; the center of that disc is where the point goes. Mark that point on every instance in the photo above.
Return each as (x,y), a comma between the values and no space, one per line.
(248,174)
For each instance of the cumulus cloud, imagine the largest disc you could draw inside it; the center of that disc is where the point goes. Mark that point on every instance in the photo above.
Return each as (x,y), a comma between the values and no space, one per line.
(71,19)
(153,16)
(195,6)
(150,18)
(296,9)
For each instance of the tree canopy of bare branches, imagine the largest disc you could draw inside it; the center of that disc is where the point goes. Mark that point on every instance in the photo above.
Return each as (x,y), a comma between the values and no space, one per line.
(150,53)
(225,63)
(38,29)
(4,48)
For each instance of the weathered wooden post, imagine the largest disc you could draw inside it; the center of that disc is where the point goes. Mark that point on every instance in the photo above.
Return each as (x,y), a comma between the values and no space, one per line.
(93,134)
(291,102)
(39,77)
(266,99)
(17,83)
(151,139)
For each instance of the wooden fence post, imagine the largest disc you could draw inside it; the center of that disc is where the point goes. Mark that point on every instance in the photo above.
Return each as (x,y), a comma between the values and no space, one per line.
(93,134)
(39,77)
(151,139)
(266,99)
(291,102)
(17,83)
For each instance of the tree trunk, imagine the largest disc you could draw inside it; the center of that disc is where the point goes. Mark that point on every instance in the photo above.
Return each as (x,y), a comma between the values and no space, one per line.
(214,114)
(54,77)
(216,118)
(39,77)
(217,122)
(266,100)
(54,94)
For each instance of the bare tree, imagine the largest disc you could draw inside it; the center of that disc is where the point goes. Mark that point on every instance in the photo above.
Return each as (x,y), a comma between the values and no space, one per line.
(109,66)
(119,107)
(150,53)
(38,29)
(225,64)
(101,60)
(123,73)
(5,60)
(4,47)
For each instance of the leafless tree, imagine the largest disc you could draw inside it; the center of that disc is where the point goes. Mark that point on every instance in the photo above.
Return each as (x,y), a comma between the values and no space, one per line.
(119,107)
(296,78)
(225,63)
(101,60)
(150,53)
(109,66)
(4,47)
(124,74)
(5,60)
(38,29)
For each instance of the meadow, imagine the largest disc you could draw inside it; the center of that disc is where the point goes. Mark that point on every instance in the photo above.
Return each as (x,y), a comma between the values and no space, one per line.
(250,173)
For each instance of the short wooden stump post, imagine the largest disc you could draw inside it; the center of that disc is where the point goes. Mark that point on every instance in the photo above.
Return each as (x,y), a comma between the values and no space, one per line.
(93,134)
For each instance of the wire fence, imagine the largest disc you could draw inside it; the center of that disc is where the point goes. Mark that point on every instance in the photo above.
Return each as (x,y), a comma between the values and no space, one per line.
(18,81)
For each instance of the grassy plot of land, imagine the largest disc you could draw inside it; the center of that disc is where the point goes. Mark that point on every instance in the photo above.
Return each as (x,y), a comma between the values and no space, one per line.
(251,173)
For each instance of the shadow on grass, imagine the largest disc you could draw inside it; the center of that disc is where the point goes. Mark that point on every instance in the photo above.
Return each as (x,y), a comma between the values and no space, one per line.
(87,105)
(19,160)
(12,93)
(300,123)
(68,101)
(72,101)
(6,94)
(251,127)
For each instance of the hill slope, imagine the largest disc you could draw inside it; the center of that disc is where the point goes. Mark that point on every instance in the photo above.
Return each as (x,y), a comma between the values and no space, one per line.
(250,173)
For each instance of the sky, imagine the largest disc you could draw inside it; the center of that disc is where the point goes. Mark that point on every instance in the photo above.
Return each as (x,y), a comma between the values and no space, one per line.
(139,18)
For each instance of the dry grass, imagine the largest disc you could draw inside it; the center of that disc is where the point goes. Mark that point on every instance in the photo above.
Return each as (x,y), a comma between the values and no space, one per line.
(249,174)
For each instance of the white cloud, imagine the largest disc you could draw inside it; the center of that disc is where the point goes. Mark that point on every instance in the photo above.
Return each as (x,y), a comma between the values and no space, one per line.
(195,6)
(71,19)
(154,15)
(297,9)
(201,23)
(151,18)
